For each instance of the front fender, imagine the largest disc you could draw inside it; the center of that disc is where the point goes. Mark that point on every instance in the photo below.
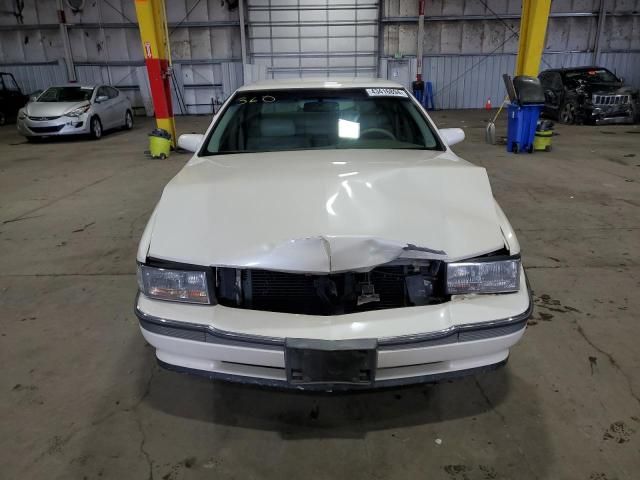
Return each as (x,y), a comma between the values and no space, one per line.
(145,240)
(510,239)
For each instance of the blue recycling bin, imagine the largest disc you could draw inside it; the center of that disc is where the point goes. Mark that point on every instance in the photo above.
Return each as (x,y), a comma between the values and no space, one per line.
(521,126)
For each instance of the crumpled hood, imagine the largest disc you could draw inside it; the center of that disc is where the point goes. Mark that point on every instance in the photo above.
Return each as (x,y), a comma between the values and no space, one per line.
(607,89)
(51,109)
(325,211)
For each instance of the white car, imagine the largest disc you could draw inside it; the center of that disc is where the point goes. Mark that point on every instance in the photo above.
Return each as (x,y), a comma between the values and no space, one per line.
(325,236)
(75,110)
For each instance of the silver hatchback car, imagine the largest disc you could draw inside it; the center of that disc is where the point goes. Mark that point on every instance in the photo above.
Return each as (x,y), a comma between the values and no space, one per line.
(75,110)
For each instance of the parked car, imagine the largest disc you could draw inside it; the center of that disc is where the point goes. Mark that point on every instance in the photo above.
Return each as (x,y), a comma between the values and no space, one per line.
(75,110)
(324,235)
(588,95)
(11,98)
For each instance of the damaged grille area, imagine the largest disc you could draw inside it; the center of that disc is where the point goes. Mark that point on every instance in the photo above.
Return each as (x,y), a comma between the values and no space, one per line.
(611,99)
(388,286)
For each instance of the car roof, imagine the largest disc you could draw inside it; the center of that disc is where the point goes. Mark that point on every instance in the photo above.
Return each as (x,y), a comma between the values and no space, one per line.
(320,84)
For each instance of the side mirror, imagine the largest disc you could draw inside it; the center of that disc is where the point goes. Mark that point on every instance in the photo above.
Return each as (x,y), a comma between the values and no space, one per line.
(451,136)
(33,98)
(190,141)
(101,98)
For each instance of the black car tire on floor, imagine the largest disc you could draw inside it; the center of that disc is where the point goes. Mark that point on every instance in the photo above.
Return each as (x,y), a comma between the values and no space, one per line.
(95,128)
(568,112)
(128,120)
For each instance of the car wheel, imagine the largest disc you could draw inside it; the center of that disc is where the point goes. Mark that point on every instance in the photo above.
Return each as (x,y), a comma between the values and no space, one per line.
(3,119)
(568,112)
(96,128)
(128,120)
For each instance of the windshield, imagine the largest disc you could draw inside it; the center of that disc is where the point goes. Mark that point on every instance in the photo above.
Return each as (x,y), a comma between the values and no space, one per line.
(277,120)
(66,94)
(599,75)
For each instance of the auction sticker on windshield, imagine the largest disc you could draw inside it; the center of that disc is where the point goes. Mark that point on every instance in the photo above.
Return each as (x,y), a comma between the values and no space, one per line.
(386,92)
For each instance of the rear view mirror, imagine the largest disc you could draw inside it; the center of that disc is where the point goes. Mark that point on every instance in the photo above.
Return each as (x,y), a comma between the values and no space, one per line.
(451,136)
(101,98)
(190,141)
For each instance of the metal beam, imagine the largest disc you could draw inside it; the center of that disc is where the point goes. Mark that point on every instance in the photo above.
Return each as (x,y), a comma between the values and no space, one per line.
(600,28)
(243,33)
(64,35)
(154,35)
(533,31)
(97,26)
(420,39)
(506,16)
(380,39)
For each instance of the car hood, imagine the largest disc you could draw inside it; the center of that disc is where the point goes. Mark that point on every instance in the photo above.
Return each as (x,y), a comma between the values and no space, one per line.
(607,89)
(51,109)
(325,210)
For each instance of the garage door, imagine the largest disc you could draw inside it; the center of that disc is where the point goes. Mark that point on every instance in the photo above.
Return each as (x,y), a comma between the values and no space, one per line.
(314,38)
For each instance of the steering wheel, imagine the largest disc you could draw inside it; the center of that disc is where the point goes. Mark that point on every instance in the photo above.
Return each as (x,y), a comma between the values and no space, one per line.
(384,132)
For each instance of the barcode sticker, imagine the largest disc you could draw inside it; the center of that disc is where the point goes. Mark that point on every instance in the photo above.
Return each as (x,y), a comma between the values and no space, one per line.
(386,92)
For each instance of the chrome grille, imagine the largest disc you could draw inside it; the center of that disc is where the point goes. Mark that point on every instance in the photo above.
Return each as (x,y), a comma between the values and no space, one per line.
(42,119)
(611,99)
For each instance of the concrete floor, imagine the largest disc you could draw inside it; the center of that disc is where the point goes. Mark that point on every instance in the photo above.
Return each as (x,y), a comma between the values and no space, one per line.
(82,397)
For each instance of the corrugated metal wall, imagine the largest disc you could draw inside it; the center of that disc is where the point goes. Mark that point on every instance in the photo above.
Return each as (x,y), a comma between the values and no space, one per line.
(106,48)
(34,77)
(468,44)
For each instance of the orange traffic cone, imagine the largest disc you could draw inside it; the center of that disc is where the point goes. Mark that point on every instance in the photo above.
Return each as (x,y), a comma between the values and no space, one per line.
(487,106)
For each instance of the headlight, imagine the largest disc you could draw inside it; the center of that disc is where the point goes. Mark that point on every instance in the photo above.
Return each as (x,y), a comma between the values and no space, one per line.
(490,276)
(77,112)
(175,285)
(21,115)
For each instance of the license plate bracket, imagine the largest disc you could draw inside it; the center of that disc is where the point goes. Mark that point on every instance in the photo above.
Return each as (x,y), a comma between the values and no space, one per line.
(331,362)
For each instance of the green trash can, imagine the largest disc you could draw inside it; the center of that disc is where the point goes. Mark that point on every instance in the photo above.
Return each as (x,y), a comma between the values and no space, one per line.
(159,143)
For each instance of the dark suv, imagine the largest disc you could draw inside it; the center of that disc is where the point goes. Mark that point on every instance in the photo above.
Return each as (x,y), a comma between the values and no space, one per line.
(11,98)
(588,95)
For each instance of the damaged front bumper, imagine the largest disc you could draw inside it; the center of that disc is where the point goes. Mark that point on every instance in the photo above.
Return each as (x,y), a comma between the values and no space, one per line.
(607,115)
(410,345)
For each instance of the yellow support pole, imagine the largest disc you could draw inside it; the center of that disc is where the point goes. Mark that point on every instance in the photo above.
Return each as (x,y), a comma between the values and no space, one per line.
(152,22)
(533,30)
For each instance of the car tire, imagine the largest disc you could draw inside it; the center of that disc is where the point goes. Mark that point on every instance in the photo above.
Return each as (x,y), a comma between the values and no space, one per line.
(3,119)
(128,120)
(568,112)
(95,128)
(33,139)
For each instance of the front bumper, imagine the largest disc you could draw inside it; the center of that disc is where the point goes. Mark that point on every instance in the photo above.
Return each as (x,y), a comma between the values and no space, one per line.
(50,128)
(611,115)
(453,349)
